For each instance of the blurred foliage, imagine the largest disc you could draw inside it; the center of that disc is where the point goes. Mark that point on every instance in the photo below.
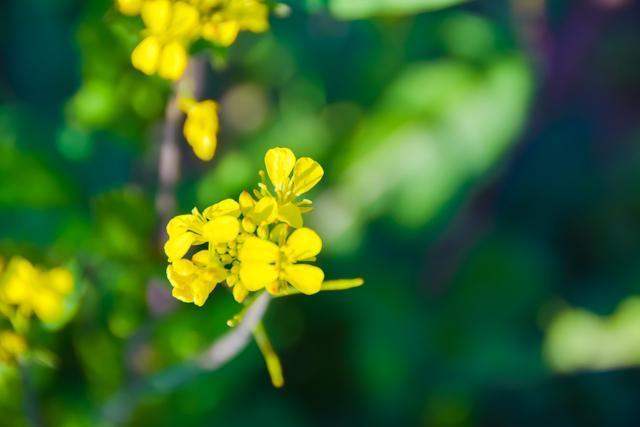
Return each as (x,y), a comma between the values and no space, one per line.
(475,174)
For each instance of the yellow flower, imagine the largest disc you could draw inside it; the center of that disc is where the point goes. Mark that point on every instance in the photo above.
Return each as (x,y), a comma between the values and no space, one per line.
(170,26)
(31,290)
(265,264)
(12,346)
(194,280)
(280,163)
(232,16)
(218,224)
(201,126)
(129,7)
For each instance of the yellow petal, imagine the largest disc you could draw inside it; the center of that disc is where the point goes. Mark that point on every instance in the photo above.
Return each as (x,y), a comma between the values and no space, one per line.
(129,7)
(201,129)
(255,17)
(183,294)
(182,268)
(178,245)
(246,201)
(265,211)
(257,276)
(146,55)
(222,33)
(305,278)
(201,290)
(181,224)
(222,229)
(255,250)
(61,280)
(290,214)
(279,163)
(226,207)
(173,61)
(184,19)
(48,306)
(240,292)
(306,174)
(303,243)
(201,258)
(156,15)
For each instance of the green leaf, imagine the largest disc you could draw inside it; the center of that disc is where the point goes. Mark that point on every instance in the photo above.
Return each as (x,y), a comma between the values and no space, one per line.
(29,182)
(359,9)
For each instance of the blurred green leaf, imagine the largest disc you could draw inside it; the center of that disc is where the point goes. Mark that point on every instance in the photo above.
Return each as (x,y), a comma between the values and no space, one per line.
(360,9)
(29,182)
(439,126)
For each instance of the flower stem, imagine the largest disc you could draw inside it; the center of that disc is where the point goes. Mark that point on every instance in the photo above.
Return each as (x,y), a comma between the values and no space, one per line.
(270,357)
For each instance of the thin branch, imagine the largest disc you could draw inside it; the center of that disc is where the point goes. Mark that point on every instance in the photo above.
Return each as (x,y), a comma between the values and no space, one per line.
(190,84)
(31,407)
(119,408)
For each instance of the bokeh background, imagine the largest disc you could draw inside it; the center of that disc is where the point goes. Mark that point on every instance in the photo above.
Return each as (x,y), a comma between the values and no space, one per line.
(482,174)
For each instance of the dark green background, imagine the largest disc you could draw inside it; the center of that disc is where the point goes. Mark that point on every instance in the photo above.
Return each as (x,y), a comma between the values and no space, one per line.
(482,171)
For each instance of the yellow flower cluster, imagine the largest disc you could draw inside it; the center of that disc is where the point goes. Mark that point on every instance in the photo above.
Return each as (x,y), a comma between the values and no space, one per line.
(26,289)
(12,346)
(251,244)
(171,26)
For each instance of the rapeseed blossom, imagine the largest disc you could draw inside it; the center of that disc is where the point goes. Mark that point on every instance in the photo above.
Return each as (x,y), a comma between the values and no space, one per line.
(171,26)
(26,289)
(201,126)
(12,346)
(252,244)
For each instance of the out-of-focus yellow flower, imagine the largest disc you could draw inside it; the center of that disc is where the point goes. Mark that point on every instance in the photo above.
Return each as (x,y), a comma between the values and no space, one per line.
(232,16)
(129,7)
(265,264)
(218,224)
(170,26)
(31,290)
(12,346)
(201,126)
(281,163)
(193,280)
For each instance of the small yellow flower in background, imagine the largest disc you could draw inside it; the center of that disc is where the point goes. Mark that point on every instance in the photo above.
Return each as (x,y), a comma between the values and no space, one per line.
(12,346)
(28,290)
(228,18)
(129,7)
(201,126)
(169,26)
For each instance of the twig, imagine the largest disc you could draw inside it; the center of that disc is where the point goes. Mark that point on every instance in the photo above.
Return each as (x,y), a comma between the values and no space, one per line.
(119,408)
(191,83)
(29,397)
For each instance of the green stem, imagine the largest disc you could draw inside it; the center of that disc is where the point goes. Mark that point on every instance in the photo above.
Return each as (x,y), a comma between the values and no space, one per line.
(270,357)
(329,285)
